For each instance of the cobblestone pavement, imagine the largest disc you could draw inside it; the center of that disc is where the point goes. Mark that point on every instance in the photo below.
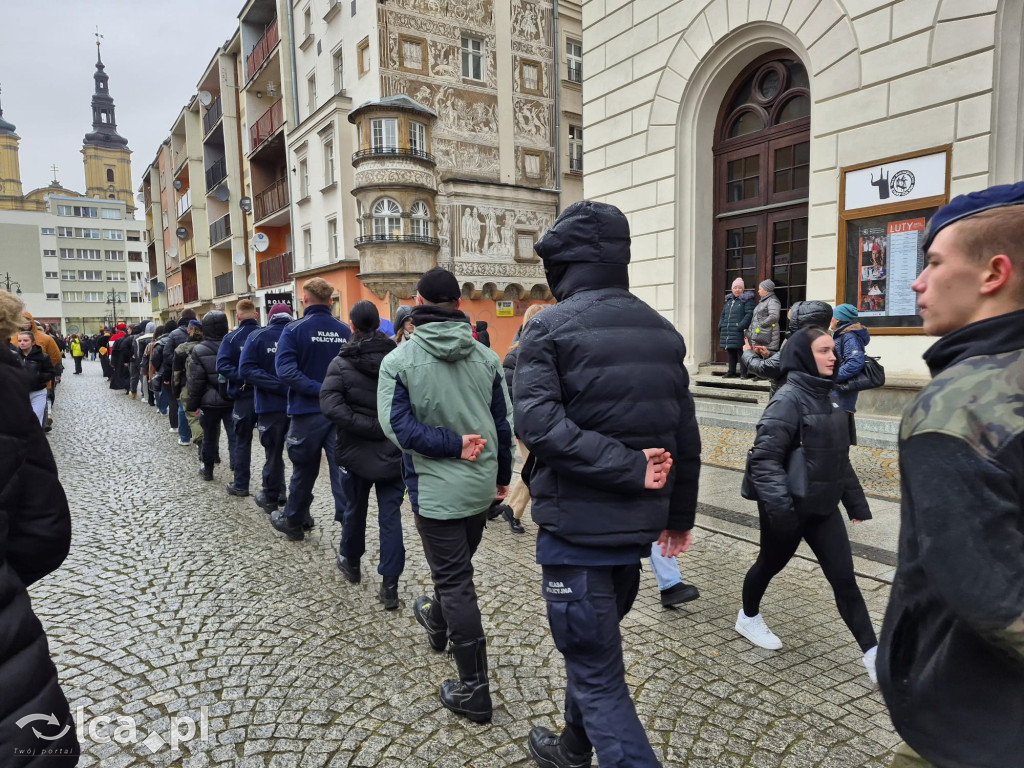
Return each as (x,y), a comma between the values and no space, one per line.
(177,597)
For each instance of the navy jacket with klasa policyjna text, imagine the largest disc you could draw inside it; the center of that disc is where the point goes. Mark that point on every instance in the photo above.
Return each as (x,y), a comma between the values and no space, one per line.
(305,349)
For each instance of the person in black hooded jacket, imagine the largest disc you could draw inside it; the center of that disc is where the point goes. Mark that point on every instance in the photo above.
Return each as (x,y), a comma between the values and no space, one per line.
(798,494)
(606,479)
(348,398)
(768,365)
(204,397)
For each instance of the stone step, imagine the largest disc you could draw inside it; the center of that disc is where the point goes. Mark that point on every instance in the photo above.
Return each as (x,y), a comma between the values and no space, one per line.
(742,385)
(729,394)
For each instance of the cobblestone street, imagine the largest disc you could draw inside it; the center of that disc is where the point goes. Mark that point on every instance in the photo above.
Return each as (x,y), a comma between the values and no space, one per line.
(177,597)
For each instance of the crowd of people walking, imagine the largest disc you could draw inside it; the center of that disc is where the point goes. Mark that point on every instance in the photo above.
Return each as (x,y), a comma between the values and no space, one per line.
(423,410)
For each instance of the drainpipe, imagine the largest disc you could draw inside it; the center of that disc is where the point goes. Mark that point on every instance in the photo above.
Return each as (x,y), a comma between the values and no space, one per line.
(295,117)
(558,110)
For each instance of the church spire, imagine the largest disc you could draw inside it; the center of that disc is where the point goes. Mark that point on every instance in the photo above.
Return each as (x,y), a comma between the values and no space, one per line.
(6,128)
(104,125)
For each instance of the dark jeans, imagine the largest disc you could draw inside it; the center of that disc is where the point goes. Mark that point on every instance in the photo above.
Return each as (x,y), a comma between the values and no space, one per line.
(133,377)
(736,357)
(826,536)
(78,364)
(308,436)
(211,419)
(273,429)
(448,547)
(243,419)
(389,519)
(585,605)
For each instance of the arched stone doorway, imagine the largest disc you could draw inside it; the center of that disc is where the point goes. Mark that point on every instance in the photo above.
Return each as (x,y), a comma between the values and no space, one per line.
(761,179)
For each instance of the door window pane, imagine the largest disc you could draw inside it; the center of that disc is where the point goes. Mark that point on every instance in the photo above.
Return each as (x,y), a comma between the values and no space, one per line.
(743,178)
(789,261)
(792,167)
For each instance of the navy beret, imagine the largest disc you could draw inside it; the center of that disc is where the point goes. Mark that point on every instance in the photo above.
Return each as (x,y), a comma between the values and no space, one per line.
(967,205)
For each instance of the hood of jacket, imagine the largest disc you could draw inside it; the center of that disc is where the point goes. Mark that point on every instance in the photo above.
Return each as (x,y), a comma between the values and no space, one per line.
(443,333)
(745,296)
(366,354)
(587,248)
(856,329)
(796,356)
(810,314)
(215,325)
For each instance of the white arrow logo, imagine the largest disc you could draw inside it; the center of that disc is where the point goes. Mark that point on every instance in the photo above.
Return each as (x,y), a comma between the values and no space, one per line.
(50,719)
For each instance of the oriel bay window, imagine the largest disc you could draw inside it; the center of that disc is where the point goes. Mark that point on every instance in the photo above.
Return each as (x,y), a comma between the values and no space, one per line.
(384,134)
(419,221)
(387,219)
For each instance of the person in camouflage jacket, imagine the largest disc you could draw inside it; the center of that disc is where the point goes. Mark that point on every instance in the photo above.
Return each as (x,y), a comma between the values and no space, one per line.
(951,656)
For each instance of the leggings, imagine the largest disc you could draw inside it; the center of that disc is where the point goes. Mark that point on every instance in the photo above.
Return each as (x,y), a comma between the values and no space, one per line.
(827,538)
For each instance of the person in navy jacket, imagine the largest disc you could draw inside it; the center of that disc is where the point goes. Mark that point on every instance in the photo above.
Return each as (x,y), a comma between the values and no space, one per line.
(304,351)
(243,414)
(257,366)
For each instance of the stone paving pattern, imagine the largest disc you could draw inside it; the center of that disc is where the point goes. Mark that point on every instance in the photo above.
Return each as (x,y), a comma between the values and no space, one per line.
(176,596)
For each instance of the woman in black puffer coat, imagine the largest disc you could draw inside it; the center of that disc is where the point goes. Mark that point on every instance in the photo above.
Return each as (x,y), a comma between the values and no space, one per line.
(348,398)
(204,393)
(35,535)
(798,499)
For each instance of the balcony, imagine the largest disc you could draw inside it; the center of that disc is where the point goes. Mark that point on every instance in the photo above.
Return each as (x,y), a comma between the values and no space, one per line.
(264,128)
(212,116)
(184,203)
(189,293)
(574,72)
(276,270)
(220,229)
(261,50)
(381,238)
(576,163)
(216,173)
(186,249)
(384,151)
(271,199)
(224,284)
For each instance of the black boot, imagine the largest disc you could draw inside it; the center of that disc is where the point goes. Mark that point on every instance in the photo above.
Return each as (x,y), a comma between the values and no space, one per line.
(549,750)
(206,470)
(388,593)
(437,630)
(470,695)
(349,569)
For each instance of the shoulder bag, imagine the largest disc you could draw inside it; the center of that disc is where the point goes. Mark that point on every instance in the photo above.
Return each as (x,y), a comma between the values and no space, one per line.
(871,376)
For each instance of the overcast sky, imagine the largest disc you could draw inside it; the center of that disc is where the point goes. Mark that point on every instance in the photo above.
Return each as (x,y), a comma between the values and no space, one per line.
(154,52)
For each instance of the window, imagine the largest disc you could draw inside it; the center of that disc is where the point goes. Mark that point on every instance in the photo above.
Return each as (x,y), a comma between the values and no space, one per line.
(574,61)
(113,255)
(307,22)
(136,276)
(65,231)
(110,213)
(136,296)
(87,234)
(363,56)
(529,75)
(92,254)
(72,295)
(384,134)
(47,231)
(417,137)
(328,162)
(387,219)
(307,245)
(68,274)
(575,149)
(53,297)
(134,255)
(67,253)
(419,223)
(311,94)
(135,236)
(90,274)
(85,212)
(112,234)
(97,296)
(115,277)
(50,252)
(411,52)
(50,275)
(110,175)
(338,68)
(531,163)
(472,58)
(104,117)
(332,239)
(524,247)
(303,178)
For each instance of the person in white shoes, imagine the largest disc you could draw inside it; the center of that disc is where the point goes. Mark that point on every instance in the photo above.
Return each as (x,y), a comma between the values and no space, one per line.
(799,470)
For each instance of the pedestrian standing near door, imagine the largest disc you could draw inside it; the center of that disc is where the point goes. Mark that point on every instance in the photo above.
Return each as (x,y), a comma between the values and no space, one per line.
(764,330)
(732,326)
(243,409)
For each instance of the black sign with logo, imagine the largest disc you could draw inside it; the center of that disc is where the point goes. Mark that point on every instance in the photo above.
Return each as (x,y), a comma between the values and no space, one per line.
(279,298)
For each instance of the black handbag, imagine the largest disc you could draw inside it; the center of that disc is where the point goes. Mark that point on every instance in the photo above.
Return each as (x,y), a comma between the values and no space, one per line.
(796,473)
(871,376)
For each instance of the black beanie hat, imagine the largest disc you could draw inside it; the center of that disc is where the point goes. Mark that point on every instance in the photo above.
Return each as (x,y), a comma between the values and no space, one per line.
(364,316)
(439,286)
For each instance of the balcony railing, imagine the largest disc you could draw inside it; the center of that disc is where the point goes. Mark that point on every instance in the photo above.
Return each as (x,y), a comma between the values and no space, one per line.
(276,270)
(271,199)
(383,151)
(216,173)
(184,203)
(264,128)
(186,249)
(189,293)
(224,284)
(261,50)
(220,229)
(574,72)
(212,116)
(379,238)
(575,164)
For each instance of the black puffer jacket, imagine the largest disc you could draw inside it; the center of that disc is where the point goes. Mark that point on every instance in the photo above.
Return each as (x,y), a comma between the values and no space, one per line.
(802,413)
(35,535)
(348,397)
(803,314)
(178,336)
(510,362)
(600,377)
(36,367)
(203,391)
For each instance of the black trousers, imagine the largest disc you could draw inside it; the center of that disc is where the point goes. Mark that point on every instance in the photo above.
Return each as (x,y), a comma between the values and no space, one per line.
(448,546)
(736,358)
(243,419)
(826,536)
(211,419)
(78,364)
(172,408)
(273,428)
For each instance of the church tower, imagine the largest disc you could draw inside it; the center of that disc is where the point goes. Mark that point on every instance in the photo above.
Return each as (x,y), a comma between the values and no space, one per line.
(108,164)
(10,167)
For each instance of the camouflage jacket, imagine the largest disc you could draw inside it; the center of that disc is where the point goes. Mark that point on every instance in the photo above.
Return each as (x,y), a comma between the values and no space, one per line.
(951,657)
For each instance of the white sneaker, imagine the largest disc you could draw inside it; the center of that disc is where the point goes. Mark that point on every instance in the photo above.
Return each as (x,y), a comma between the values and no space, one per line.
(173,429)
(184,442)
(869,662)
(757,632)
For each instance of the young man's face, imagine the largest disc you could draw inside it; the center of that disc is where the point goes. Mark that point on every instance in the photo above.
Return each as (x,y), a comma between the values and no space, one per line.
(948,290)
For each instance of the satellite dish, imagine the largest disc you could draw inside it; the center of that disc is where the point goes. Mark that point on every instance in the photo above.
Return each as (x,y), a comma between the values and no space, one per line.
(239,259)
(222,193)
(182,233)
(205,98)
(245,204)
(177,184)
(260,242)
(252,280)
(161,287)
(140,197)
(173,253)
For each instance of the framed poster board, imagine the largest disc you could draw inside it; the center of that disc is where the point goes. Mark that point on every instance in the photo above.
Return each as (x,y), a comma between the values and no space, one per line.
(885,207)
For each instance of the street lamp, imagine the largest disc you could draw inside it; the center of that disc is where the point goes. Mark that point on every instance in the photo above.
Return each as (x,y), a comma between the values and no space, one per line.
(9,283)
(113,301)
